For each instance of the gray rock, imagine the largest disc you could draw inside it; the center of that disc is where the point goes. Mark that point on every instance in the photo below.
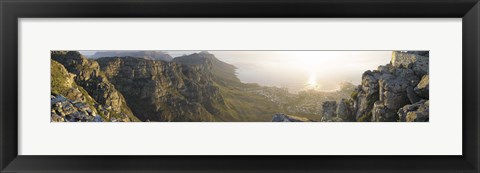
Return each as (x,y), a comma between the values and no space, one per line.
(422,89)
(408,75)
(416,112)
(329,110)
(420,115)
(422,53)
(288,118)
(394,93)
(412,96)
(418,63)
(380,113)
(345,110)
(97,119)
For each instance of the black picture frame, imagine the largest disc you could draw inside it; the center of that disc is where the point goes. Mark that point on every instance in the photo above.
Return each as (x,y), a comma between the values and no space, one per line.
(12,10)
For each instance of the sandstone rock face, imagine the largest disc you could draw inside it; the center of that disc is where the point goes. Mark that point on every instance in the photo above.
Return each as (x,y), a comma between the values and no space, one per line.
(164,91)
(87,75)
(288,118)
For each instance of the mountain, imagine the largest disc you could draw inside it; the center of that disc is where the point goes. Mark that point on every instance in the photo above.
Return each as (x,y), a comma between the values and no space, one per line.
(151,55)
(192,88)
(109,103)
(223,72)
(164,91)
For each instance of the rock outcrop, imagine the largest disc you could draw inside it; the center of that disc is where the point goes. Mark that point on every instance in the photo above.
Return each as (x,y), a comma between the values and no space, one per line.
(397,91)
(66,110)
(417,61)
(341,112)
(345,110)
(417,112)
(422,88)
(329,109)
(288,118)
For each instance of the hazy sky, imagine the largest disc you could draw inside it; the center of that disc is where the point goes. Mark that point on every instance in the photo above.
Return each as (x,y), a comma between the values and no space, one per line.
(299,70)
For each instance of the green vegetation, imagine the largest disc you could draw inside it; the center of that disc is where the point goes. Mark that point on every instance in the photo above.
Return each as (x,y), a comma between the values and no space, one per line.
(365,118)
(354,95)
(90,81)
(245,106)
(63,84)
(59,78)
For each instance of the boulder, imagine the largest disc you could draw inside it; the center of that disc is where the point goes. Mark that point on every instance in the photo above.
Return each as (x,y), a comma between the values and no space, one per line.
(380,113)
(420,115)
(288,118)
(422,88)
(345,110)
(329,110)
(394,93)
(370,84)
(412,95)
(417,112)
(408,75)
(368,93)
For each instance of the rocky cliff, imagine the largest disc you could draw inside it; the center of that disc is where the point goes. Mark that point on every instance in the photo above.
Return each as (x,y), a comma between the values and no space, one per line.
(397,91)
(196,87)
(86,73)
(70,102)
(164,91)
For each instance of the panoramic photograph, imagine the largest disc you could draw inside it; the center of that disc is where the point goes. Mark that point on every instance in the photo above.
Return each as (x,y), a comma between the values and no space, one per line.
(239,86)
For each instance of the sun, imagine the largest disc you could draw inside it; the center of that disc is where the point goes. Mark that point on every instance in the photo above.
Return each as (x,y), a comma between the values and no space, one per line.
(312,81)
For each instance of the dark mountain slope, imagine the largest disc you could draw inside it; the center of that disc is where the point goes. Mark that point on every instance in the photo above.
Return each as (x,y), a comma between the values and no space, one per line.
(223,73)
